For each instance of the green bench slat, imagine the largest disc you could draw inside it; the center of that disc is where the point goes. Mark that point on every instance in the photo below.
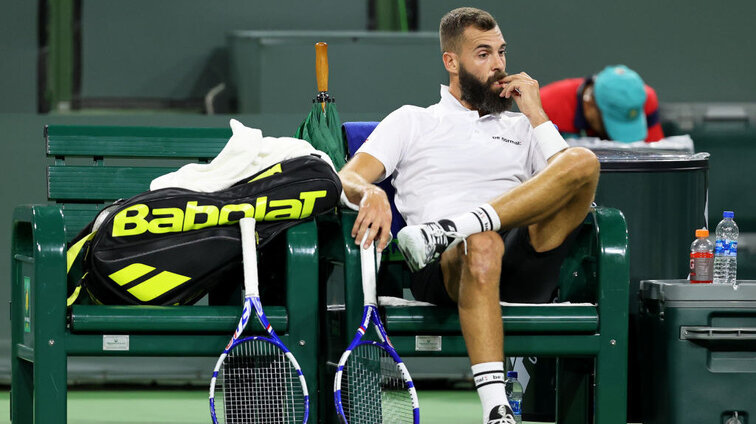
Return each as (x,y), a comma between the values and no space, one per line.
(136,141)
(169,319)
(76,216)
(517,319)
(100,182)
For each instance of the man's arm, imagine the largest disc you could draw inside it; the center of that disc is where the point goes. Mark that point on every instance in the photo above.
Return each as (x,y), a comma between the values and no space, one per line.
(357,178)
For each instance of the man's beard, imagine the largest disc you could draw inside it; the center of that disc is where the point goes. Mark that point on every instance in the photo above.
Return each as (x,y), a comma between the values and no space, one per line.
(480,96)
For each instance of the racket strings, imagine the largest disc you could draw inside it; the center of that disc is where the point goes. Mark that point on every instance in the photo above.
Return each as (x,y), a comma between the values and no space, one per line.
(259,385)
(373,389)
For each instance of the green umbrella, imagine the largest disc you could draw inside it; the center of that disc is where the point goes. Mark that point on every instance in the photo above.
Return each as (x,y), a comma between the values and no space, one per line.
(322,127)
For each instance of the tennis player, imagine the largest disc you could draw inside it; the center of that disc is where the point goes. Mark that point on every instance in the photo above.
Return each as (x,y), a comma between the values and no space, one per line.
(492,198)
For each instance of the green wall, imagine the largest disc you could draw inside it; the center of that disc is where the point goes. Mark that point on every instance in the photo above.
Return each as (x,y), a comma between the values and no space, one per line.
(18,57)
(175,48)
(689,50)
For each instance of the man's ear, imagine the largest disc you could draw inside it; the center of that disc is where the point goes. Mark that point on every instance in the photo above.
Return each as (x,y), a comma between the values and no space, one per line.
(451,62)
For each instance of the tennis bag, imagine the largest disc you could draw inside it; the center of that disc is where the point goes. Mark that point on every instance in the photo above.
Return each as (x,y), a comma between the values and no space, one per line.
(171,246)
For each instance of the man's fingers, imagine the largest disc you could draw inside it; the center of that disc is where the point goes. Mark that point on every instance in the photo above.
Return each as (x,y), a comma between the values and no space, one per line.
(385,239)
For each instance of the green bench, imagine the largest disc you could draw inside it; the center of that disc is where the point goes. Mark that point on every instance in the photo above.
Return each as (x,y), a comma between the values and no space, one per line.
(91,167)
(589,337)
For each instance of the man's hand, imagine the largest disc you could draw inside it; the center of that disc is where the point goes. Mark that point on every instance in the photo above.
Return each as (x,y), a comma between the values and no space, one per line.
(527,95)
(357,178)
(374,216)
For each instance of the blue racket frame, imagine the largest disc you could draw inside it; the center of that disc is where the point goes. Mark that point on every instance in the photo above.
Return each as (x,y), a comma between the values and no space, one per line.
(370,315)
(252,300)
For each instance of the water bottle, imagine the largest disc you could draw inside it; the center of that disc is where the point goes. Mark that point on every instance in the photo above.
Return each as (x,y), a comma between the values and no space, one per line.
(514,394)
(726,250)
(701,258)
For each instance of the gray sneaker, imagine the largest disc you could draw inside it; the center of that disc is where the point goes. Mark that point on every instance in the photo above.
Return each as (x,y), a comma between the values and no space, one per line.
(423,244)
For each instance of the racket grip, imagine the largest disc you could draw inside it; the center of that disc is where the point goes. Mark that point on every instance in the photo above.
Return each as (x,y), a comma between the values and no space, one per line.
(321,66)
(367,264)
(249,256)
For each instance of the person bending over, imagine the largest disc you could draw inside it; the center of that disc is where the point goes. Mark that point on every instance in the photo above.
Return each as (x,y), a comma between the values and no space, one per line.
(614,104)
(492,198)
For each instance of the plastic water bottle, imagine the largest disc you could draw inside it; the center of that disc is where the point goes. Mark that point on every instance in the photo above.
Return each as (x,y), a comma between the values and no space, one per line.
(726,250)
(514,394)
(701,258)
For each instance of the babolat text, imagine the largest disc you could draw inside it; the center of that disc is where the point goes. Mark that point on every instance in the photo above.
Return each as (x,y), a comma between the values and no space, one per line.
(134,219)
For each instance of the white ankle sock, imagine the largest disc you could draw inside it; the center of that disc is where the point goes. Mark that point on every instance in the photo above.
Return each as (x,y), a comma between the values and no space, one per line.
(489,382)
(482,218)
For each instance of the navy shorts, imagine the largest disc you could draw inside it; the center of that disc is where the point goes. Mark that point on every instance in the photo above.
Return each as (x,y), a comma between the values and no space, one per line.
(527,276)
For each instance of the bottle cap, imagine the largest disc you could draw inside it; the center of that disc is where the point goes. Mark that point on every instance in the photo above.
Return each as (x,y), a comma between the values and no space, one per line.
(512,374)
(703,232)
(728,214)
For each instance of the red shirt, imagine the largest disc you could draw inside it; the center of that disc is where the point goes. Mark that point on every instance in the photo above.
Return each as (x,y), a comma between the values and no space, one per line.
(563,103)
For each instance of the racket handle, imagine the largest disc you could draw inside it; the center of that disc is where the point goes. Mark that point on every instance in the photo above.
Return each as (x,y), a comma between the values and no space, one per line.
(249,256)
(367,263)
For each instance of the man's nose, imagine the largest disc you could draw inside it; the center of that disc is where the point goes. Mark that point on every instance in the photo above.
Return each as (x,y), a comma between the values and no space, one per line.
(500,63)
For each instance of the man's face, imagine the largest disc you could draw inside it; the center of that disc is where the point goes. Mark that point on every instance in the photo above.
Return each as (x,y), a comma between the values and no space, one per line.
(482,65)
(592,113)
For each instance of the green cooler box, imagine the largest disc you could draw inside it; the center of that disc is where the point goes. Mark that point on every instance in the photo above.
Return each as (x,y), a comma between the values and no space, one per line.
(698,352)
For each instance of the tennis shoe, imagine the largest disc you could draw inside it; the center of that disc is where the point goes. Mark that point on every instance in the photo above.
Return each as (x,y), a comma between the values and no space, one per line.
(501,414)
(423,244)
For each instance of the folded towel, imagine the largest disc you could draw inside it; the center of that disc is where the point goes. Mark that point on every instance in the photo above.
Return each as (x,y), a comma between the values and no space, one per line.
(246,153)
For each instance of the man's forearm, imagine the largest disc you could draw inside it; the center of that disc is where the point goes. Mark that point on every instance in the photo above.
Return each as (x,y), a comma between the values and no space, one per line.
(354,186)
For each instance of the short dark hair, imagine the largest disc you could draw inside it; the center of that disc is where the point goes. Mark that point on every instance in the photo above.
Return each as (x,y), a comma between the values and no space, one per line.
(454,23)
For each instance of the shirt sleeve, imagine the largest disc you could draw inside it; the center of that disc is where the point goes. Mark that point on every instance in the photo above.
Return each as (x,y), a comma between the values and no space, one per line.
(651,109)
(388,142)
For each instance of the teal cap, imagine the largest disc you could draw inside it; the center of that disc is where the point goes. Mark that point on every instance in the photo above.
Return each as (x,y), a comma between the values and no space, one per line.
(620,95)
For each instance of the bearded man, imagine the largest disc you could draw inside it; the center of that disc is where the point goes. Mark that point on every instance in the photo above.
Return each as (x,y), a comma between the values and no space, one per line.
(492,198)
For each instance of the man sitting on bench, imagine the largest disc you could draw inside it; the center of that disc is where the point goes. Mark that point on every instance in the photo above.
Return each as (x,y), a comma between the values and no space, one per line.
(474,181)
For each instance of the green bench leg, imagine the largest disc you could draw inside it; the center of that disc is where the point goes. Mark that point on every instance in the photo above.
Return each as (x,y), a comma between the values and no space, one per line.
(50,388)
(303,306)
(22,391)
(611,386)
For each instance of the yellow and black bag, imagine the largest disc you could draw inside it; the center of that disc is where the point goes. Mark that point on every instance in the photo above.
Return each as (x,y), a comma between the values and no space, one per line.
(171,246)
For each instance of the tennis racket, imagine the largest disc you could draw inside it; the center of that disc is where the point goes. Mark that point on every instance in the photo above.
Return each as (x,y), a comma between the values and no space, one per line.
(372,384)
(256,379)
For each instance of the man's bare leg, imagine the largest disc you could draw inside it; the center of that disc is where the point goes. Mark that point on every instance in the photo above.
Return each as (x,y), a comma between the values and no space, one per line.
(472,280)
(557,200)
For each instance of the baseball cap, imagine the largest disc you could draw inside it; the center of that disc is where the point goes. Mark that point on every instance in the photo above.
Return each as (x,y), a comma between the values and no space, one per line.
(620,95)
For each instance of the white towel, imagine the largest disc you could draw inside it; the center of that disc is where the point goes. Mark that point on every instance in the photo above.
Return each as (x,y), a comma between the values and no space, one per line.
(246,153)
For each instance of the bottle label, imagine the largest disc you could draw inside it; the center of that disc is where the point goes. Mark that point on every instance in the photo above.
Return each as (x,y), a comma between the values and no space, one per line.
(701,267)
(726,248)
(516,406)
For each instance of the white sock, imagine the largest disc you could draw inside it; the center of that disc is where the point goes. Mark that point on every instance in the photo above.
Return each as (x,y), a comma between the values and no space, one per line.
(489,382)
(483,218)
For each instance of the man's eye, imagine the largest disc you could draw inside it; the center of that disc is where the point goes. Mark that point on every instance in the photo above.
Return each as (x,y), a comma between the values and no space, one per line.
(483,55)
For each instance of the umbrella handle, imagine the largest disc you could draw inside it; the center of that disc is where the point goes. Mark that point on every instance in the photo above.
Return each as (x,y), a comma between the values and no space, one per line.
(321,68)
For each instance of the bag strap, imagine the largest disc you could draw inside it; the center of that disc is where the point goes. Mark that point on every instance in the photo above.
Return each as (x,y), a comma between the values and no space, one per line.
(71,255)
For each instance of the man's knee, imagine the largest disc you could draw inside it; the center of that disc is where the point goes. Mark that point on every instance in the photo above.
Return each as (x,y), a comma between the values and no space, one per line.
(584,165)
(483,258)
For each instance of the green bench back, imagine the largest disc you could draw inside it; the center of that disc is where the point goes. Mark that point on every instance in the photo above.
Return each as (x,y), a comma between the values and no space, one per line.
(96,165)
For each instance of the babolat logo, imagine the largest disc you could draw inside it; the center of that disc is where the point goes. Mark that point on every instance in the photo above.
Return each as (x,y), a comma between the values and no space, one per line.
(133,220)
(145,282)
(506,140)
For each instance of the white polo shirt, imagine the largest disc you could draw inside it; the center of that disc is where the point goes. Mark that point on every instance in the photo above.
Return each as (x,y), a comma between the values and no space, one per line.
(446,159)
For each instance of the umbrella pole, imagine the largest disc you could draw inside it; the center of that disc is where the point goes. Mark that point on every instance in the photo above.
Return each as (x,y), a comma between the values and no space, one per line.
(321,72)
